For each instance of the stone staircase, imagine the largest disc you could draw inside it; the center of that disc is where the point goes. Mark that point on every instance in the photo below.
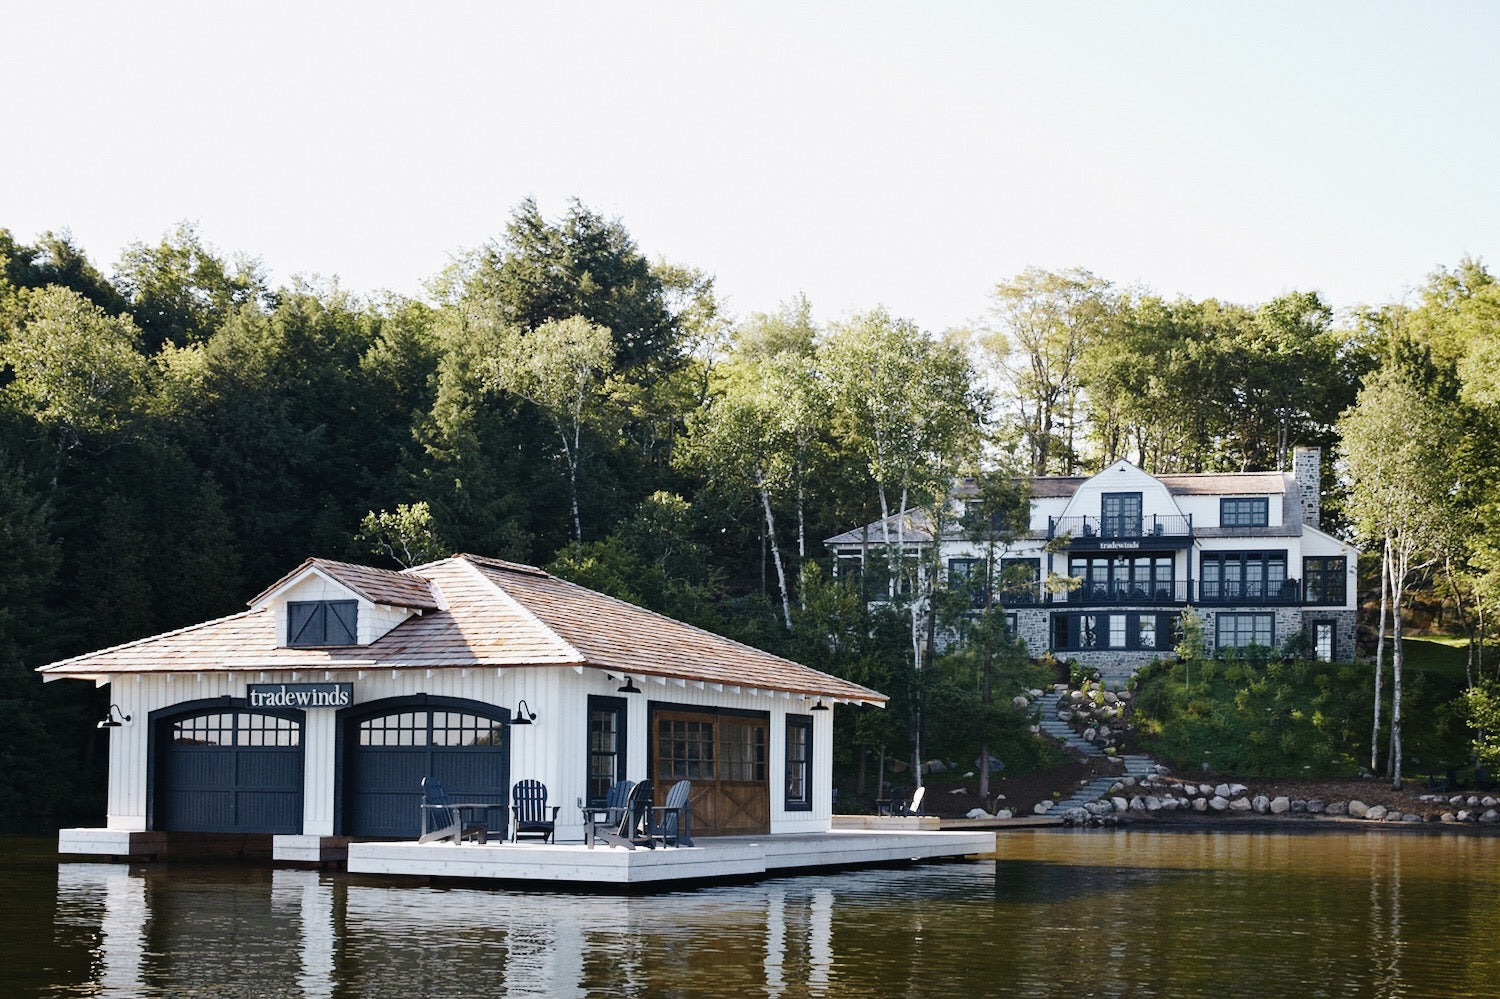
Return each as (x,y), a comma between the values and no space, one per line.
(1136,766)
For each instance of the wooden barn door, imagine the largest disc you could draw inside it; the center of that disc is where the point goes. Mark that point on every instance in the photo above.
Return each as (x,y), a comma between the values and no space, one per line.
(724,754)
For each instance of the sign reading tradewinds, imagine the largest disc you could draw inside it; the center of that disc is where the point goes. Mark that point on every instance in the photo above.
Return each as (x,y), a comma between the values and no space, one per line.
(300,695)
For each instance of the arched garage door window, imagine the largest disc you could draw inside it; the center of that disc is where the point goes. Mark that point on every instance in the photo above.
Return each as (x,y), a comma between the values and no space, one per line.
(224,768)
(389,746)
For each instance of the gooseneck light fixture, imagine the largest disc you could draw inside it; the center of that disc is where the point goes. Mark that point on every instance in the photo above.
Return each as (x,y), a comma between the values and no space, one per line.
(524,715)
(629,687)
(115,719)
(820,706)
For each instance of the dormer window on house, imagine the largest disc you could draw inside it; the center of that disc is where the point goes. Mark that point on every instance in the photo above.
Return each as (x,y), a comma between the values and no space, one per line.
(322,622)
(1244,511)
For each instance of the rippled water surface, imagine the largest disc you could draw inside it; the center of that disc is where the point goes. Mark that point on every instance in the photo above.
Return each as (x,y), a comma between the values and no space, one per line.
(1053,913)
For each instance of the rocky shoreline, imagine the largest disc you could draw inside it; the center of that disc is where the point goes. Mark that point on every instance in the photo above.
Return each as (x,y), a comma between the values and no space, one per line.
(1161,796)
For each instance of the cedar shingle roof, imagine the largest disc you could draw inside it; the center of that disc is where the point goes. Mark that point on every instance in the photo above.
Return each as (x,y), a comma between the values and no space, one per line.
(484,613)
(381,586)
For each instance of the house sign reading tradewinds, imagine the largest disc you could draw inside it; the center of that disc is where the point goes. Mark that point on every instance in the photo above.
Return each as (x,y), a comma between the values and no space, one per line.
(300,695)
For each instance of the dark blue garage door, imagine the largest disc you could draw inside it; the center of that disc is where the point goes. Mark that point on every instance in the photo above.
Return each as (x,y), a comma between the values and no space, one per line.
(390,747)
(228,770)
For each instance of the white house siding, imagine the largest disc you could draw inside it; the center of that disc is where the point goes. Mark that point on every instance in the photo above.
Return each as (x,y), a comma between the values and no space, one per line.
(552,750)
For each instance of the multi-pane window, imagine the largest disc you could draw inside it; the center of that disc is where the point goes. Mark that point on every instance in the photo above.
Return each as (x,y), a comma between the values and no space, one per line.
(1119,579)
(322,622)
(606,746)
(1241,631)
(685,749)
(742,750)
(430,728)
(1120,515)
(967,574)
(1120,630)
(1243,575)
(1244,511)
(236,728)
(799,732)
(1323,579)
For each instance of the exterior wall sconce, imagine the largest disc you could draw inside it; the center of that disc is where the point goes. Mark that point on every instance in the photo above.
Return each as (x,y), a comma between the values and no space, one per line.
(115,719)
(524,715)
(629,687)
(820,706)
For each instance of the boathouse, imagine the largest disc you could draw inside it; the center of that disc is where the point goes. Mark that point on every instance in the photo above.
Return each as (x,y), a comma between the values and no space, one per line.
(315,713)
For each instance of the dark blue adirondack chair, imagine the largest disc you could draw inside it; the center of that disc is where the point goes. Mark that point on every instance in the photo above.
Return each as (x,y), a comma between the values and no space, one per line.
(443,819)
(634,828)
(672,821)
(608,815)
(533,817)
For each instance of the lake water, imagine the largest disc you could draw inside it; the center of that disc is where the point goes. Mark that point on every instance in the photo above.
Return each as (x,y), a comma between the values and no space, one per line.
(1103,913)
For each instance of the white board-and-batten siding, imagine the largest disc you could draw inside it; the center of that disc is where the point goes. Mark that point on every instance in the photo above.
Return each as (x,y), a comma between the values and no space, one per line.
(554,749)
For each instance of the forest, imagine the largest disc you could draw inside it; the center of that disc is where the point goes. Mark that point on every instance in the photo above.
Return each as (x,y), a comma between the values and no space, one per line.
(176,434)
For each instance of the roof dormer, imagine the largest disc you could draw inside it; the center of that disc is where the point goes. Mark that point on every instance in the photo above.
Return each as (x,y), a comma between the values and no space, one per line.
(323,604)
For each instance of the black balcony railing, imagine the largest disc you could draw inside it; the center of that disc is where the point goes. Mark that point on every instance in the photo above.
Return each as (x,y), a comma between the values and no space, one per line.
(1096,530)
(1286,593)
(1119,595)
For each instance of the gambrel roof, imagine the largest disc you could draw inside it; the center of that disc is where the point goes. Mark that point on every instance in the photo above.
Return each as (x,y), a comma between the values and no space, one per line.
(474,612)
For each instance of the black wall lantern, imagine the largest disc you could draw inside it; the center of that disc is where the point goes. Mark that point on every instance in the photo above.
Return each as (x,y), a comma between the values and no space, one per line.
(115,719)
(524,715)
(629,687)
(820,706)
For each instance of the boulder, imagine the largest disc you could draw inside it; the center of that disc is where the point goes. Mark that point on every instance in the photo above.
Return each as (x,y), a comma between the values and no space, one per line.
(1153,803)
(1005,813)
(1238,789)
(1447,817)
(1218,803)
(1317,806)
(1358,809)
(1337,808)
(1042,807)
(1281,804)
(1490,816)
(1261,804)
(1020,702)
(1298,805)
(1240,804)
(1119,804)
(1223,791)
(1410,817)
(1374,813)
(1201,804)
(978,813)
(1137,804)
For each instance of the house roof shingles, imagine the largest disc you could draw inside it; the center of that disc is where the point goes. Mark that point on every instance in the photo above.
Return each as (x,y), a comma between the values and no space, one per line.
(494,614)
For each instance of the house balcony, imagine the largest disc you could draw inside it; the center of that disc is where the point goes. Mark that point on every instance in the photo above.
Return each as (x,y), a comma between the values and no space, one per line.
(1122,533)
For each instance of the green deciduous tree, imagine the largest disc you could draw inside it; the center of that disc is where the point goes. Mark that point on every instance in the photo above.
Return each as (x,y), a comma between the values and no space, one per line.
(1041,325)
(1395,453)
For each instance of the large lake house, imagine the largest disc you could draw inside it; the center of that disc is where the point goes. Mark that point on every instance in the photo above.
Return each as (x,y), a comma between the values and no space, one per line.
(316,713)
(1109,562)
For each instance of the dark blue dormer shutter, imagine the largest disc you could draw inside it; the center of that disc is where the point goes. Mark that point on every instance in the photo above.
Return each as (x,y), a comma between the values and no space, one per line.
(322,622)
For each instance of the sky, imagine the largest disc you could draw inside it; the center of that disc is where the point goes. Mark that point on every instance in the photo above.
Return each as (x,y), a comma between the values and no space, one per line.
(905,154)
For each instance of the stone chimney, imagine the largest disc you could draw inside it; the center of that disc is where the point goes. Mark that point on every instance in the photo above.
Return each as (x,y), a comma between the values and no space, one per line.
(1307,469)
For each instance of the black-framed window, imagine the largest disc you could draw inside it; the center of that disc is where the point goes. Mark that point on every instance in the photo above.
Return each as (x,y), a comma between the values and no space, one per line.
(606,749)
(1020,580)
(322,622)
(1120,515)
(1240,631)
(1244,511)
(799,757)
(1121,578)
(1242,576)
(1324,641)
(1323,579)
(1119,630)
(967,574)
